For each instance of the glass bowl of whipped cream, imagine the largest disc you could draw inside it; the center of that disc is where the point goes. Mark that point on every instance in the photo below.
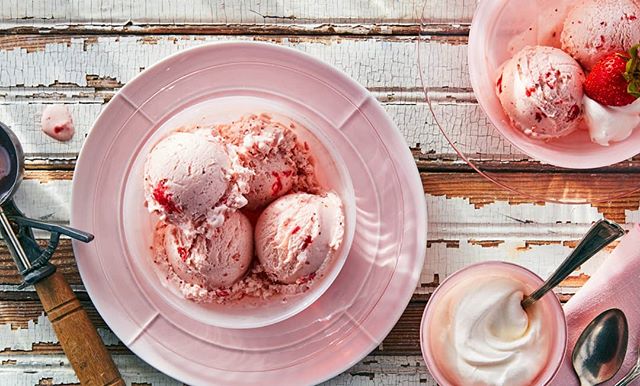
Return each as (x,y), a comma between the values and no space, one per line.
(475,332)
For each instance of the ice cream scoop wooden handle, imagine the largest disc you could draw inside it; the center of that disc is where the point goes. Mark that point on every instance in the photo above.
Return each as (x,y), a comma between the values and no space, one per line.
(79,339)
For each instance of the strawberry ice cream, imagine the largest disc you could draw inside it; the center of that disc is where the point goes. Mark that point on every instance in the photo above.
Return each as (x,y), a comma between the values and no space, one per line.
(190,179)
(278,162)
(57,123)
(298,233)
(204,182)
(207,263)
(594,28)
(541,92)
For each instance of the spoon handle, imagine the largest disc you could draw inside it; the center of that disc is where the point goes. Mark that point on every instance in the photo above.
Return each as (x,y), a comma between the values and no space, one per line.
(599,236)
(630,377)
(633,374)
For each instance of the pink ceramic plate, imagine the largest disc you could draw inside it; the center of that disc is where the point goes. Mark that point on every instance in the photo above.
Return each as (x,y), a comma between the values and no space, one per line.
(380,274)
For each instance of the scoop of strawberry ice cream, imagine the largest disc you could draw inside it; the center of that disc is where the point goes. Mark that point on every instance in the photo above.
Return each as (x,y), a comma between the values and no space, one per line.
(298,234)
(57,123)
(191,179)
(278,162)
(207,263)
(595,28)
(541,92)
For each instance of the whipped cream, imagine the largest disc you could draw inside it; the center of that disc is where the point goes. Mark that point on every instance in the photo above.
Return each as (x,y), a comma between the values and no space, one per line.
(609,123)
(486,338)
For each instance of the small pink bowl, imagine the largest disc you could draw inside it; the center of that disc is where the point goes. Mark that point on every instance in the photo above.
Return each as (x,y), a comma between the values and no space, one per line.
(498,31)
(553,311)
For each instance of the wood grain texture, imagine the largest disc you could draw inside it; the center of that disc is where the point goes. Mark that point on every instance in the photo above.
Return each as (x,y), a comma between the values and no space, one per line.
(78,337)
(79,61)
(130,14)
(20,318)
(55,369)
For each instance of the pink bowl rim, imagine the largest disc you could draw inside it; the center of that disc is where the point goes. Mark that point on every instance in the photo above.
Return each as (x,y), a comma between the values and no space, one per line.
(427,354)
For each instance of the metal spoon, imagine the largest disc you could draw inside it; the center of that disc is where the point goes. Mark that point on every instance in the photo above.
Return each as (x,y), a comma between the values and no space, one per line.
(599,236)
(633,374)
(600,349)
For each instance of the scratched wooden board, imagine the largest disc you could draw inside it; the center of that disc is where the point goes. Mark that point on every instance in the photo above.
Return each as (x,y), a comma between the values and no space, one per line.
(81,52)
(117,13)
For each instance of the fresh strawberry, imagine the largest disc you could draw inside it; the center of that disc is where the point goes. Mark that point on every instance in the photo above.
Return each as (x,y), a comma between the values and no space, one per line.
(615,79)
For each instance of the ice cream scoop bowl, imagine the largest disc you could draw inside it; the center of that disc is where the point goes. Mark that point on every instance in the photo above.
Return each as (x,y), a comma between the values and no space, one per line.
(138,225)
(499,30)
(78,337)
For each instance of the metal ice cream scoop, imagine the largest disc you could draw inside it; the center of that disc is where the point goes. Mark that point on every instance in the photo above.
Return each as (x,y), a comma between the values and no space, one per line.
(32,261)
(77,335)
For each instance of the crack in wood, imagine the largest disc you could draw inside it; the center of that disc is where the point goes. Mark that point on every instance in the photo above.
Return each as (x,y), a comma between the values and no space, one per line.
(486,243)
(311,29)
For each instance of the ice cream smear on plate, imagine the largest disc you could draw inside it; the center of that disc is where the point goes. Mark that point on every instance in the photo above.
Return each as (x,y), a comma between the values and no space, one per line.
(481,335)
(57,123)
(589,83)
(215,190)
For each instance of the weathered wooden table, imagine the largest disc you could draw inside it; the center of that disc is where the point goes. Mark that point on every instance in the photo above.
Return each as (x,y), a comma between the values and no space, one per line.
(81,52)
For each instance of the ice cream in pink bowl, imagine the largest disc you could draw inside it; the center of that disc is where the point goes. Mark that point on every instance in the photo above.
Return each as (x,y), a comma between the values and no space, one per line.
(542,71)
(243,214)
(475,332)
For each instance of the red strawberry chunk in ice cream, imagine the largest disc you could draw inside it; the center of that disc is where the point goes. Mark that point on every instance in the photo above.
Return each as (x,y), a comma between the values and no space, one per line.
(307,240)
(277,185)
(182,251)
(164,199)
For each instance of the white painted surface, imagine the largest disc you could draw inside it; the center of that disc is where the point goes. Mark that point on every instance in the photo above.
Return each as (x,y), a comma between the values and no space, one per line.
(114,12)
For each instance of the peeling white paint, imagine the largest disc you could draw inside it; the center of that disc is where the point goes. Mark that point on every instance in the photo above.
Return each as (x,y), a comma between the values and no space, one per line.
(375,63)
(28,370)
(38,331)
(172,12)
(378,370)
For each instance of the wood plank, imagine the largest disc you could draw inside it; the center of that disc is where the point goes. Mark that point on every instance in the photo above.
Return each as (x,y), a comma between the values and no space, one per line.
(63,259)
(534,235)
(120,13)
(43,370)
(80,61)
(330,28)
(55,370)
(21,110)
(25,330)
(470,220)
